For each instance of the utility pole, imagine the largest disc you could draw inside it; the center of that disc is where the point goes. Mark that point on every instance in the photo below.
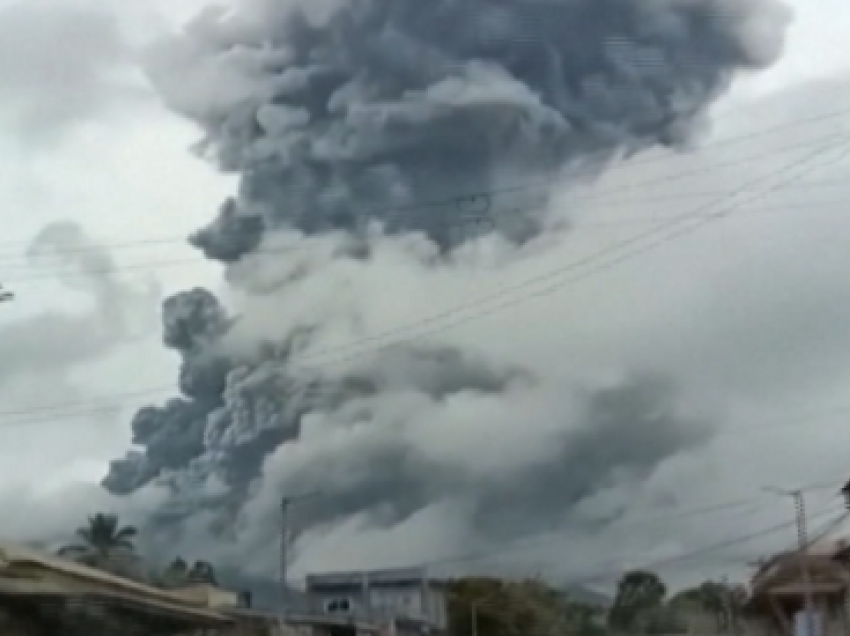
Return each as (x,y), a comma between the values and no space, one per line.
(285,505)
(728,606)
(845,495)
(803,542)
(284,554)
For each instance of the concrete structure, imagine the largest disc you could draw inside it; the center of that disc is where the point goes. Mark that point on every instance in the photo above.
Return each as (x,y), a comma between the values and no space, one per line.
(206,595)
(406,600)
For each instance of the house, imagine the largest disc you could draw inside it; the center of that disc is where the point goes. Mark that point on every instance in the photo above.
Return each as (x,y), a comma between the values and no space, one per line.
(776,604)
(207,595)
(405,600)
(42,594)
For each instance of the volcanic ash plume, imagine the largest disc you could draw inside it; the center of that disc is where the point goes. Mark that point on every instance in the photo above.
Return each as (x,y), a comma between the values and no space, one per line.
(346,116)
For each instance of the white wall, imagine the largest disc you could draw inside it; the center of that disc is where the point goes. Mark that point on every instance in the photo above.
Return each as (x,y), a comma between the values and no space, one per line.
(409,601)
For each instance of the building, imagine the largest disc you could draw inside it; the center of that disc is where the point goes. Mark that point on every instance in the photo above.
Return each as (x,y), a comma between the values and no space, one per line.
(42,594)
(776,603)
(405,600)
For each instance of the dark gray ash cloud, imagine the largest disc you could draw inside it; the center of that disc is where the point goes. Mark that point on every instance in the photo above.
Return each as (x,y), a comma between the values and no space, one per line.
(338,118)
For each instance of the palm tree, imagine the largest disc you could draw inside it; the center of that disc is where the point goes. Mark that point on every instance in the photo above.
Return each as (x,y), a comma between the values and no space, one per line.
(104,542)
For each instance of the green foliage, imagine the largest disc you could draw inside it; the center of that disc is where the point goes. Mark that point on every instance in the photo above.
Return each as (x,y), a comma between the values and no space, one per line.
(202,572)
(498,607)
(640,607)
(180,574)
(639,602)
(176,574)
(104,543)
(719,600)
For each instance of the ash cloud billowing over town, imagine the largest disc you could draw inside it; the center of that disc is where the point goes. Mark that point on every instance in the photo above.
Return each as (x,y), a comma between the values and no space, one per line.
(343,119)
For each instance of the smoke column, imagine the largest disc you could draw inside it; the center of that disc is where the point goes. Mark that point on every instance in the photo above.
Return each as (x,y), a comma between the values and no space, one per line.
(345,116)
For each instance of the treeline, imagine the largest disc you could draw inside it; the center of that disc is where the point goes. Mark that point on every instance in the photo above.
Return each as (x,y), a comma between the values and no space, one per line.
(642,605)
(477,606)
(105,544)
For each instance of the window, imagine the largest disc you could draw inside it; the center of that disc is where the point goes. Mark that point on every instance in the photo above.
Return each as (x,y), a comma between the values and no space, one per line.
(338,606)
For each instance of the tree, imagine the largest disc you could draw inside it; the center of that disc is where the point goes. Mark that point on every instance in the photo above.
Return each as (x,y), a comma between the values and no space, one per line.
(104,543)
(584,619)
(180,574)
(639,601)
(202,572)
(176,574)
(717,599)
(503,607)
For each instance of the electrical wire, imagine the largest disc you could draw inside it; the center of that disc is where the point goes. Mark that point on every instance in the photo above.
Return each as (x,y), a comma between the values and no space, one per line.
(708,550)
(554,279)
(534,542)
(602,574)
(494,607)
(48,272)
(589,168)
(539,186)
(454,317)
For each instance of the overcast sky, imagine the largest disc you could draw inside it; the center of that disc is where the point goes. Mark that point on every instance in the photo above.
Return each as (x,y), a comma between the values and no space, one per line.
(751,314)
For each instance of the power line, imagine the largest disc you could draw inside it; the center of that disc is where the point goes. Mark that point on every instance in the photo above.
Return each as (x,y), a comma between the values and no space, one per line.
(702,552)
(554,278)
(545,277)
(486,196)
(584,226)
(450,319)
(534,542)
(523,545)
(50,272)
(589,167)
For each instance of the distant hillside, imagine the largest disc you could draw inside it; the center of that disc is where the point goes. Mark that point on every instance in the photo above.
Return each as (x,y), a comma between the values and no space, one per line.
(583,594)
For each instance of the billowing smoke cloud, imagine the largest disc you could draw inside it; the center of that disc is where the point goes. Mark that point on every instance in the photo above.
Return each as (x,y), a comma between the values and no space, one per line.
(340,116)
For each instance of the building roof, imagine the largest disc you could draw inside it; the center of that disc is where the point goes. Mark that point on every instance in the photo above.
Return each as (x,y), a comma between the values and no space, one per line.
(385,576)
(25,572)
(781,575)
